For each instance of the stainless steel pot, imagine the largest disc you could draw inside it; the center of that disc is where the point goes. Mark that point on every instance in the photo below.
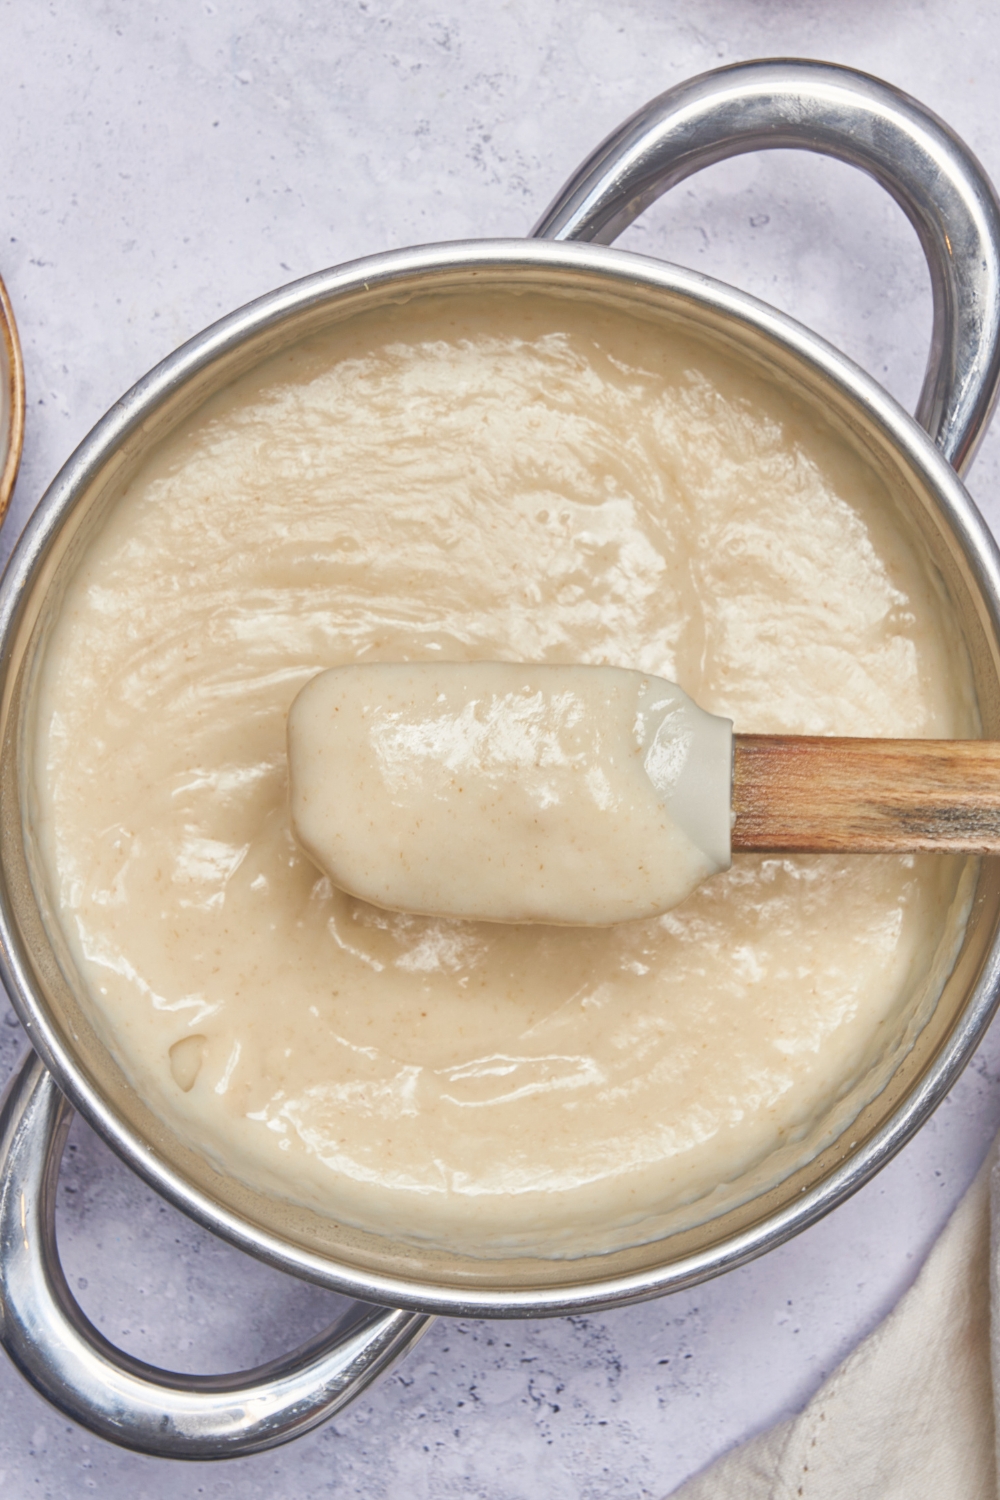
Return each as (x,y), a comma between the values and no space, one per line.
(955,211)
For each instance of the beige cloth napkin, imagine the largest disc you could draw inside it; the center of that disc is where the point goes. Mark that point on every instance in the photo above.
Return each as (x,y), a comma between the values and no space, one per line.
(910,1414)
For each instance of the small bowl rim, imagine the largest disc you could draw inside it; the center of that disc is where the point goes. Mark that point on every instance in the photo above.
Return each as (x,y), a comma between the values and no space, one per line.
(12,440)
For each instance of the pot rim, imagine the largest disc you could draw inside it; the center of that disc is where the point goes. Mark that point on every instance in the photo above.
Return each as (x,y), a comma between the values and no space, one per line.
(433,264)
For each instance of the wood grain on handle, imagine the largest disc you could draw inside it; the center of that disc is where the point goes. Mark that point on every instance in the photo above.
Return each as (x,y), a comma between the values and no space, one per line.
(816,795)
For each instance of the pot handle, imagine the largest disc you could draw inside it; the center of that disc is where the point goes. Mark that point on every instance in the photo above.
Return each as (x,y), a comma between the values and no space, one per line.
(835,111)
(151,1411)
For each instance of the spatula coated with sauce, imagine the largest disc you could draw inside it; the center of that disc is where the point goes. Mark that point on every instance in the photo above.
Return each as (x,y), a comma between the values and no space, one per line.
(590,795)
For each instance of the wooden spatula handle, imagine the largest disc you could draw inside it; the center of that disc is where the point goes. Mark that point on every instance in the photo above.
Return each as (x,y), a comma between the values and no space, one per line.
(821,795)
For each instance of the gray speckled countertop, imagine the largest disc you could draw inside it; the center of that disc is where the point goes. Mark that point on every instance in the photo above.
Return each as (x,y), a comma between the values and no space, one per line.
(164,163)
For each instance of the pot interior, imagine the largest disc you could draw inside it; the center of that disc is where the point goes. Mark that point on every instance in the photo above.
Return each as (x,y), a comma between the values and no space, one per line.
(866,1124)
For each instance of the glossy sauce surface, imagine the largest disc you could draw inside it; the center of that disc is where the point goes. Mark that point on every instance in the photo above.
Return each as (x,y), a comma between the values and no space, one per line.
(525,480)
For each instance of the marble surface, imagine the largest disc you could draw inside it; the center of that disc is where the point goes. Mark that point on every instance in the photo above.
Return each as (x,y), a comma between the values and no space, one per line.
(160,165)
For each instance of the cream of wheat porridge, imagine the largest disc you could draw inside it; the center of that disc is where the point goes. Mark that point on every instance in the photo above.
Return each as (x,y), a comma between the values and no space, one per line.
(521,480)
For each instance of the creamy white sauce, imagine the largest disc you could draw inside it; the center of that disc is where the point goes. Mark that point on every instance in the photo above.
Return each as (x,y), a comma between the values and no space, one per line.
(522,481)
(505,792)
